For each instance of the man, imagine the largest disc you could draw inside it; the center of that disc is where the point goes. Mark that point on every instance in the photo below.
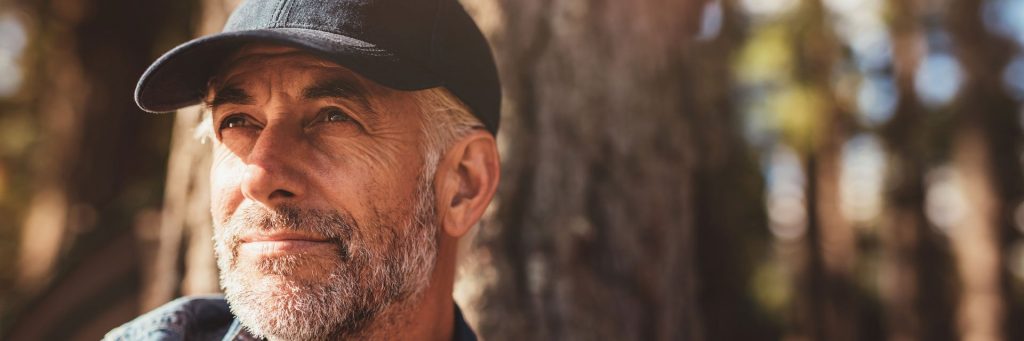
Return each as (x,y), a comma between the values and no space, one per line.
(354,145)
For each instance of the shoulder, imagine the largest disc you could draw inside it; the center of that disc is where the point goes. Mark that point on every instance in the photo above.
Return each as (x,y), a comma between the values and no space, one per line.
(462,330)
(191,318)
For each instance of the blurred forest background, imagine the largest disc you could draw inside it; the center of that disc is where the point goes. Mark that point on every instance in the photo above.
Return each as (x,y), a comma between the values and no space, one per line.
(673,170)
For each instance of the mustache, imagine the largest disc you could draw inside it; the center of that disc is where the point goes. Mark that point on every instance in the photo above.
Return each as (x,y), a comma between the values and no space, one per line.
(335,226)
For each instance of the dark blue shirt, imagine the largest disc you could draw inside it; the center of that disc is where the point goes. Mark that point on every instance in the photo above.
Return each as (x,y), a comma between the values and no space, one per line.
(208,318)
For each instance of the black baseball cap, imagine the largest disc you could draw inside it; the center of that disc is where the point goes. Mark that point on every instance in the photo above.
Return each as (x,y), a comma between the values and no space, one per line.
(402,44)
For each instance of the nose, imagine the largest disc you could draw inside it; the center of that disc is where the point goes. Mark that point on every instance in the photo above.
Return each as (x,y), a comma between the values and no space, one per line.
(272,173)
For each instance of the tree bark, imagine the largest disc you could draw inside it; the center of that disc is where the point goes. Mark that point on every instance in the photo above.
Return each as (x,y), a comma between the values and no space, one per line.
(916,271)
(99,167)
(829,308)
(729,208)
(594,232)
(986,156)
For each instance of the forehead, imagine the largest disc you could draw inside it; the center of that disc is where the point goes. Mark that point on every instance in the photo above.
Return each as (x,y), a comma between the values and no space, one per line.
(263,59)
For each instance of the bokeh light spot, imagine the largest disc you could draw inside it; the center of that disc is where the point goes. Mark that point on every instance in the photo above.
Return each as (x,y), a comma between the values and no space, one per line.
(938,79)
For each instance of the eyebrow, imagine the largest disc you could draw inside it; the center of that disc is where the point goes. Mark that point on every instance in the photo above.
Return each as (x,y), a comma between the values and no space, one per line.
(336,88)
(230,94)
(342,88)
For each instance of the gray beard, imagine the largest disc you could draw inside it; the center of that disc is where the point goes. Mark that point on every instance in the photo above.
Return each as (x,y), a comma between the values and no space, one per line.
(385,262)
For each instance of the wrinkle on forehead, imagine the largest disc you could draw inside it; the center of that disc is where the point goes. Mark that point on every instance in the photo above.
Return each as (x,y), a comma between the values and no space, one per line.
(257,51)
(286,70)
(247,59)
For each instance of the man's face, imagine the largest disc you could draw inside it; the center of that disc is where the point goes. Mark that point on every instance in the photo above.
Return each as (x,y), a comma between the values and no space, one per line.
(323,216)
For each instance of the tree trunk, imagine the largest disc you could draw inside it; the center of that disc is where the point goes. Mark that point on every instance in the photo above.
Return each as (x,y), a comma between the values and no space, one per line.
(916,268)
(986,156)
(101,166)
(829,308)
(594,232)
(729,208)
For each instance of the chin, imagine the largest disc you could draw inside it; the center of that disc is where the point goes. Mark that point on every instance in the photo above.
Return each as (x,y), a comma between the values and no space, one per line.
(291,298)
(311,267)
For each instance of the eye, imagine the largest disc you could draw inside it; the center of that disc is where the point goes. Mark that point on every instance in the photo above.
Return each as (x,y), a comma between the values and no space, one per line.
(235,121)
(333,114)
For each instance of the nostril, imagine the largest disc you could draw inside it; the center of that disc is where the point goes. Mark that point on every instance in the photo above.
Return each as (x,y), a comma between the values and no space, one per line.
(281,194)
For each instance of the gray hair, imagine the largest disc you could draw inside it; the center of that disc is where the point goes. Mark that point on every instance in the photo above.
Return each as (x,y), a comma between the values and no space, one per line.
(445,120)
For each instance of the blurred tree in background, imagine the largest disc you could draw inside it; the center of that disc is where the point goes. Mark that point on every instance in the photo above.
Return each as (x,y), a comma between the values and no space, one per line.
(83,168)
(673,170)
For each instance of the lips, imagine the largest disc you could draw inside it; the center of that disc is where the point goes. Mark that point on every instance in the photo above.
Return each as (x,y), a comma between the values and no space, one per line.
(278,243)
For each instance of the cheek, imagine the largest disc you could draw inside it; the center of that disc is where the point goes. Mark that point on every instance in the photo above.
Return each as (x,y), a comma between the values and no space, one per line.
(367,186)
(226,176)
(353,170)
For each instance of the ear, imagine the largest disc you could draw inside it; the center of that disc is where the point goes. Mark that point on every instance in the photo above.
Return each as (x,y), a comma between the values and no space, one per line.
(466,181)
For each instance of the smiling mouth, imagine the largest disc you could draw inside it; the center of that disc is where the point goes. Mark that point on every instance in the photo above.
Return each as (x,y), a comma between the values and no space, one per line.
(281,243)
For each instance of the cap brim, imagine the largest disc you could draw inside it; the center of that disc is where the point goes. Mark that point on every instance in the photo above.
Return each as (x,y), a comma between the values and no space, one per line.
(178,79)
